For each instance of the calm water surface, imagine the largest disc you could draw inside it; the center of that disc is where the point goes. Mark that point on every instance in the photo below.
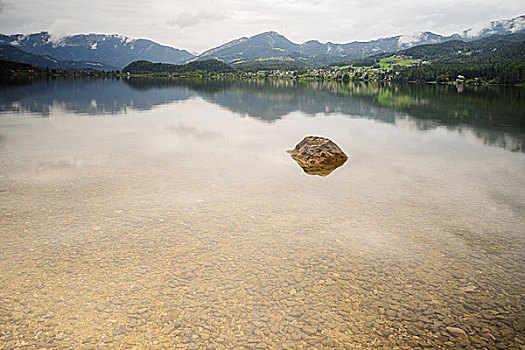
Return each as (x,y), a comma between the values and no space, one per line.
(167,214)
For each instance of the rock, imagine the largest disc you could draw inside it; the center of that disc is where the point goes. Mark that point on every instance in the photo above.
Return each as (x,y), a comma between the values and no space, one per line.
(318,155)
(310,330)
(296,336)
(468,289)
(100,307)
(118,330)
(106,340)
(501,346)
(456,331)
(274,328)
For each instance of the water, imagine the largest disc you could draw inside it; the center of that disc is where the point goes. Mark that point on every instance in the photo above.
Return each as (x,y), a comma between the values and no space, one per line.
(162,214)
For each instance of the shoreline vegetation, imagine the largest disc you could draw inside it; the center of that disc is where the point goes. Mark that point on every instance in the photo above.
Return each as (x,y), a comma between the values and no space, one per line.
(387,69)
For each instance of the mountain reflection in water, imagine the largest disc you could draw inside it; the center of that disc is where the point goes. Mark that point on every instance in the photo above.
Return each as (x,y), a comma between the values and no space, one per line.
(492,115)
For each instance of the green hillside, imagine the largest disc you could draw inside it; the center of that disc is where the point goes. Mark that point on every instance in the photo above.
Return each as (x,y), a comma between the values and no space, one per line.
(146,67)
(497,59)
(493,49)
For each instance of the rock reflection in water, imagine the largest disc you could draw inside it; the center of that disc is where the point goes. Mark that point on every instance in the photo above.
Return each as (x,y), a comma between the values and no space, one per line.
(318,155)
(322,170)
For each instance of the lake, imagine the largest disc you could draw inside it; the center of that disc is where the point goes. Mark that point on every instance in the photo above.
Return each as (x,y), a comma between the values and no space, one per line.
(147,213)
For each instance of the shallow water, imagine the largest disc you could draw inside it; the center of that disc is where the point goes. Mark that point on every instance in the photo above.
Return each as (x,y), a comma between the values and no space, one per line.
(162,214)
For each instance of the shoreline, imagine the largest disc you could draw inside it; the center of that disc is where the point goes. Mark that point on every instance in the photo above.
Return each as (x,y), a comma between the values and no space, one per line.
(28,77)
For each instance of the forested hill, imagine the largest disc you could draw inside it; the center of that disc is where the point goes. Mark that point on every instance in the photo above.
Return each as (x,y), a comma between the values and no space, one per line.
(496,59)
(146,67)
(493,49)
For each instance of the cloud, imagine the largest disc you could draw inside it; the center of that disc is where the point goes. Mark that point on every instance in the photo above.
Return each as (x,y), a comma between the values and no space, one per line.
(3,6)
(518,24)
(61,28)
(411,38)
(188,19)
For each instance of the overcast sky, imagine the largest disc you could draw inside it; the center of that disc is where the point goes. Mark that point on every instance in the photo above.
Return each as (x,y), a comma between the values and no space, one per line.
(196,25)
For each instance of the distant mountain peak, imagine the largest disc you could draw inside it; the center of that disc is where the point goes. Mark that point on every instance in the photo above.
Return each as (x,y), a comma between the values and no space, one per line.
(312,42)
(270,32)
(270,35)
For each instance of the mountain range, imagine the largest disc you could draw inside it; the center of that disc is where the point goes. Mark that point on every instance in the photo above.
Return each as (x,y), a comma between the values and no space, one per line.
(11,53)
(271,46)
(110,52)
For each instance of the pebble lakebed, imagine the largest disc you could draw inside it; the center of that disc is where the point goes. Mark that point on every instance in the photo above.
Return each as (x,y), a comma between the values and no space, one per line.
(189,226)
(201,278)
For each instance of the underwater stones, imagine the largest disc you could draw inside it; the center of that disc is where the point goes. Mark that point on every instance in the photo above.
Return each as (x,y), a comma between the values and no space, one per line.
(318,155)
(456,331)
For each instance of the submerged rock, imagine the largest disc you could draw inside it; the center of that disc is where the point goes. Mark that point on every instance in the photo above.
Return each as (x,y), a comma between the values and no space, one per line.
(318,155)
(456,331)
